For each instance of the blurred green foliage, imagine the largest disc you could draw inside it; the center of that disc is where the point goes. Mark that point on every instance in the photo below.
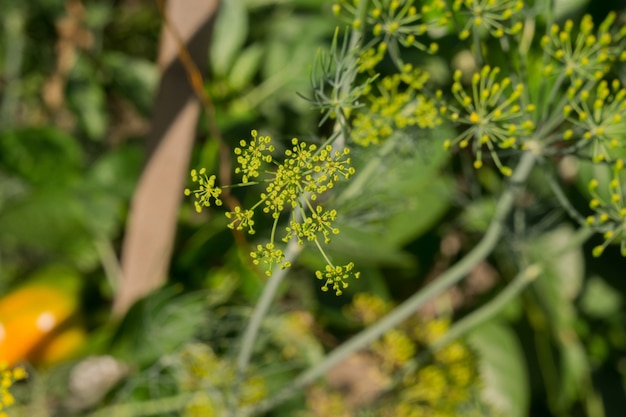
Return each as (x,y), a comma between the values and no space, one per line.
(69,165)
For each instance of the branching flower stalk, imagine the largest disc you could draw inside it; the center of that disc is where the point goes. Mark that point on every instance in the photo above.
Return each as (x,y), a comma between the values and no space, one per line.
(497,110)
(301,226)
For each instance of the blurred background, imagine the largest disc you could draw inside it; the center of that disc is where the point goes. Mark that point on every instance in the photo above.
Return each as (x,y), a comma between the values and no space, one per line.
(83,114)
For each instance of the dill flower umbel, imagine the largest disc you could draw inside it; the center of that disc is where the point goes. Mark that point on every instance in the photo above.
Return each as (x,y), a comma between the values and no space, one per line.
(494,16)
(399,104)
(397,23)
(293,184)
(599,119)
(586,55)
(206,190)
(610,214)
(492,115)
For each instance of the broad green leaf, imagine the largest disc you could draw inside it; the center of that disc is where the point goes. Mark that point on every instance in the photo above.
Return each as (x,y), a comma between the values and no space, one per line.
(396,196)
(575,371)
(363,246)
(229,36)
(562,276)
(246,66)
(158,324)
(599,299)
(556,289)
(502,368)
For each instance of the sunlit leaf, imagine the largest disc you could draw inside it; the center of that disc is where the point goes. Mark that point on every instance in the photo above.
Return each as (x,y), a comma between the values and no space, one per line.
(502,368)
(229,35)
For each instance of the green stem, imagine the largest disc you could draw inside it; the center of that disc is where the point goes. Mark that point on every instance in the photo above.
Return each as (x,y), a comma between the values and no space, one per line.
(471,321)
(355,37)
(415,302)
(292,251)
(261,309)
(489,310)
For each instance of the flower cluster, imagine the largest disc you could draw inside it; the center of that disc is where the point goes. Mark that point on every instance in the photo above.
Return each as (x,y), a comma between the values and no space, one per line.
(8,377)
(599,118)
(587,56)
(241,219)
(443,387)
(397,23)
(319,221)
(398,105)
(270,256)
(336,276)
(296,183)
(206,191)
(610,212)
(251,155)
(447,386)
(495,16)
(492,114)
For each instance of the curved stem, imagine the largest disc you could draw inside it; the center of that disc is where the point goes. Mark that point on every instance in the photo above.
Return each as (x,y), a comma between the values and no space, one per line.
(261,309)
(415,302)
(355,37)
(490,309)
(473,320)
(292,251)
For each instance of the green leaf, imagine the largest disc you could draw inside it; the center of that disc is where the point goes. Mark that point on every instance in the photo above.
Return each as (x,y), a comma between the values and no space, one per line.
(133,78)
(229,36)
(556,289)
(503,369)
(562,276)
(245,67)
(396,195)
(86,97)
(575,372)
(45,157)
(45,220)
(158,324)
(107,188)
(599,299)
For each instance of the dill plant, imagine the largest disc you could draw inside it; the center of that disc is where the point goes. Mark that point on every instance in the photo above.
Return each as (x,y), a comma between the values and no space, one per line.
(511,115)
